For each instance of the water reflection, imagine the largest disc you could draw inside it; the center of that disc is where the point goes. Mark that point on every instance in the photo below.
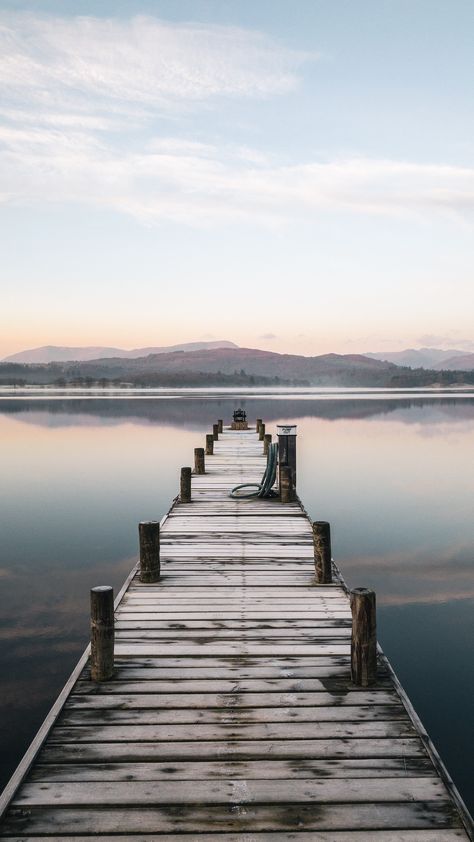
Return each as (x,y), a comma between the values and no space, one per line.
(394,477)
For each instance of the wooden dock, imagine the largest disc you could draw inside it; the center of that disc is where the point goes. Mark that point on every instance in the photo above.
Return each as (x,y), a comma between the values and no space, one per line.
(231,716)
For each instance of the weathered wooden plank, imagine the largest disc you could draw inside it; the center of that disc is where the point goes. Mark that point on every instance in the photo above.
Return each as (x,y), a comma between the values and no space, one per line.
(209,672)
(175,701)
(283,627)
(233,614)
(335,686)
(235,731)
(271,636)
(196,818)
(228,648)
(228,791)
(312,749)
(240,769)
(141,715)
(432,835)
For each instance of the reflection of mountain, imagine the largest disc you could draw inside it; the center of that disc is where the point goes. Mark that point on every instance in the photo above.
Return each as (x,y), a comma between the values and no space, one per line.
(201,412)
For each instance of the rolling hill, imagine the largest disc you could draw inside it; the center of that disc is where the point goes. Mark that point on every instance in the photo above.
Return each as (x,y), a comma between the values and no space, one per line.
(58,353)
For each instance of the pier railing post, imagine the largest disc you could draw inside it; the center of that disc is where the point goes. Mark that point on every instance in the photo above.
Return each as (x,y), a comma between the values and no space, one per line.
(261,432)
(267,440)
(286,485)
(149,536)
(199,462)
(364,637)
(322,552)
(220,425)
(215,431)
(185,485)
(287,448)
(257,426)
(102,633)
(209,444)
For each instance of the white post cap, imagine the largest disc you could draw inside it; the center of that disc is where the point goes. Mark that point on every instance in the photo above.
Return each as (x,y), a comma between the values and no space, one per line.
(286,429)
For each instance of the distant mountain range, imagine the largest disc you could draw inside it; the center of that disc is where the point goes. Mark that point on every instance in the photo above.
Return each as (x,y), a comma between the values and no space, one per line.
(430,358)
(58,353)
(227,366)
(433,359)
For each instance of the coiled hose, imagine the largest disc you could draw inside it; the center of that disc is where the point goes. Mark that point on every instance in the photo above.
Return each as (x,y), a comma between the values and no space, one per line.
(264,488)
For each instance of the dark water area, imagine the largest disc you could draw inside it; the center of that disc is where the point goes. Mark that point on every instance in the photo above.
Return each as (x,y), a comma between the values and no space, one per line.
(393,474)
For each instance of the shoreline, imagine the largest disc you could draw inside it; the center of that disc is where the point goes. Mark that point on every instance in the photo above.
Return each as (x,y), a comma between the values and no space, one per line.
(318,392)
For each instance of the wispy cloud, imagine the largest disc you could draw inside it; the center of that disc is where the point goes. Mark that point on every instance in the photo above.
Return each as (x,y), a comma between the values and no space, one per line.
(451,340)
(81,124)
(197,184)
(143,61)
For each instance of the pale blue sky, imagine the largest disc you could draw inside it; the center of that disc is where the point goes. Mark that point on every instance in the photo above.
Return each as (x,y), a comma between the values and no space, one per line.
(297,176)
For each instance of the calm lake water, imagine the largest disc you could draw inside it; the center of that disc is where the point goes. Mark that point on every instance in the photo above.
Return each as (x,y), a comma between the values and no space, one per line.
(393,474)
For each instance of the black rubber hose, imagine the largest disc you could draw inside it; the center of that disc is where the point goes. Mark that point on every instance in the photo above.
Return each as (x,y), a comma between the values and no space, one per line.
(263,488)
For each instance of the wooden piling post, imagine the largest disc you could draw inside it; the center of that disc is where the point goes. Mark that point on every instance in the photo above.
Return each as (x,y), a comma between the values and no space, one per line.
(220,425)
(322,552)
(185,485)
(199,462)
(287,447)
(149,537)
(267,440)
(102,633)
(215,431)
(286,484)
(364,637)
(209,444)
(257,426)
(261,432)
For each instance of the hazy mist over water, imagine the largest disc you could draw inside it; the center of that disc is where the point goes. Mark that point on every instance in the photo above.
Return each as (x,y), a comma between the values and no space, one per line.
(393,474)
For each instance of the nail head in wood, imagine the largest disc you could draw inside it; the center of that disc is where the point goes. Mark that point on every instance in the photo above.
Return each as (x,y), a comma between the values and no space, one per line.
(322,551)
(185,485)
(364,637)
(149,536)
(199,461)
(209,444)
(102,633)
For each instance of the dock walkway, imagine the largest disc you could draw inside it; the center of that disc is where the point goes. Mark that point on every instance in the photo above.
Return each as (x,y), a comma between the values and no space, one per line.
(231,715)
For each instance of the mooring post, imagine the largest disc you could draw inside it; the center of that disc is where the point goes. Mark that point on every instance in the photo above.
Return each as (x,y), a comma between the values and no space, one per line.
(215,431)
(185,485)
(287,448)
(220,425)
(199,462)
(149,537)
(322,552)
(209,444)
(261,432)
(102,633)
(267,440)
(286,485)
(364,637)
(257,426)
